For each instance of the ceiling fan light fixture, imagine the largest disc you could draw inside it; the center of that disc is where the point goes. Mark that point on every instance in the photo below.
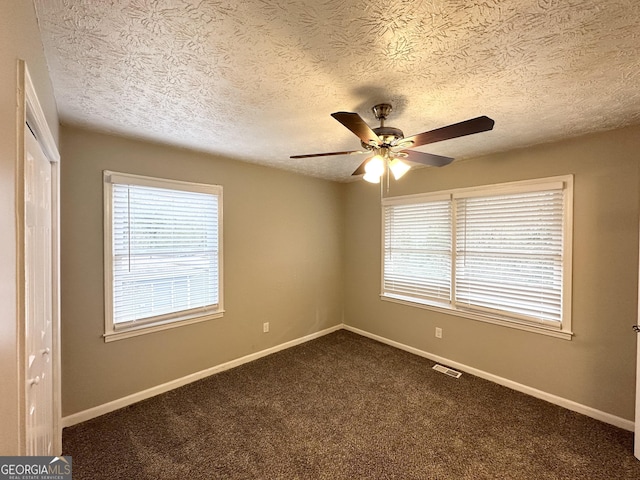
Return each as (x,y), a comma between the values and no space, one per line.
(375,166)
(371,178)
(398,168)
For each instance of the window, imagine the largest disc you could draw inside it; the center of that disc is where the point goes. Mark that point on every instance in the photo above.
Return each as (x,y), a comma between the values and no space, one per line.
(163,253)
(417,255)
(500,254)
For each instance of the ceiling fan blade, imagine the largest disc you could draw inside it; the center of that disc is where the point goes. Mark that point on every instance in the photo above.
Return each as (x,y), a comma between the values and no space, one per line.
(354,122)
(350,152)
(427,158)
(468,127)
(360,169)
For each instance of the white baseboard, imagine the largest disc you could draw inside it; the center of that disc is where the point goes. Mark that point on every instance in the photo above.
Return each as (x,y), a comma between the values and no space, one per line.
(165,387)
(94,412)
(562,402)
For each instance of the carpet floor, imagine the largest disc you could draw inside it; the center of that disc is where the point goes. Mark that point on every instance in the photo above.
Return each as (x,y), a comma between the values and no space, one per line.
(346,407)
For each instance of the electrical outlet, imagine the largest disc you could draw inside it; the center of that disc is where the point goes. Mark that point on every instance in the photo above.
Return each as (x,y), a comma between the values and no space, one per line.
(438,332)
(265,327)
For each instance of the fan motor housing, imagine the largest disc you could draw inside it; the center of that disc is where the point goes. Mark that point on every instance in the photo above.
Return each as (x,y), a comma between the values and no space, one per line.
(388,135)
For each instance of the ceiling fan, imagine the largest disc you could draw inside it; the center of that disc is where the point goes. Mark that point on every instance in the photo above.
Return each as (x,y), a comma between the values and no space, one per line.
(390,146)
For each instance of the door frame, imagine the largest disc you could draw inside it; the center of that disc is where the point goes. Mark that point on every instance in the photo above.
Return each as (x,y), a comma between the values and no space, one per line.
(636,450)
(30,110)
(636,443)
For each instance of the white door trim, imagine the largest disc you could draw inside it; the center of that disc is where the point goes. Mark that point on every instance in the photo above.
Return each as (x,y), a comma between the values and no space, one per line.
(636,443)
(636,450)
(30,110)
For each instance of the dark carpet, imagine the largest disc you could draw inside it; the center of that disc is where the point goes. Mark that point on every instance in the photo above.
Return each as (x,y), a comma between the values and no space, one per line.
(347,407)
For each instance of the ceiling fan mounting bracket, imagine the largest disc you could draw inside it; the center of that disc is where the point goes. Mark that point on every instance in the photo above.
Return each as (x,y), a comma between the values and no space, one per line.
(381,111)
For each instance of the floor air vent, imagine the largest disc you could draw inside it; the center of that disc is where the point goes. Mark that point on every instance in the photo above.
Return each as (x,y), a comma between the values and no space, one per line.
(447,371)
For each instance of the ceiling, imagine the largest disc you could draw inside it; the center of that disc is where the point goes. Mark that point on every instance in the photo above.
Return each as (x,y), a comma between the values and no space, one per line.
(257,80)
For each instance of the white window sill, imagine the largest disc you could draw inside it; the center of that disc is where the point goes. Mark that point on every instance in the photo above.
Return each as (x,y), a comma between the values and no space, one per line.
(143,329)
(519,325)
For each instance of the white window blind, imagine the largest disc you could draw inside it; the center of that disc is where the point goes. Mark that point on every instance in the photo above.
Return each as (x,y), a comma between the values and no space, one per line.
(501,252)
(509,253)
(163,250)
(417,250)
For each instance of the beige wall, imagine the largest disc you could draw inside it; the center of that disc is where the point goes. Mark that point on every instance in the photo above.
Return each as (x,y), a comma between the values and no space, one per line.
(293,244)
(19,39)
(283,240)
(596,368)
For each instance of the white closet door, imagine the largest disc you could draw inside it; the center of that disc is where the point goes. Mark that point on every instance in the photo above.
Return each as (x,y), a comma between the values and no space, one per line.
(38,301)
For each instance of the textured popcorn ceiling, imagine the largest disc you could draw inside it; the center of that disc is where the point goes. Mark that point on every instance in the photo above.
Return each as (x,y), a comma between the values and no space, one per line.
(257,80)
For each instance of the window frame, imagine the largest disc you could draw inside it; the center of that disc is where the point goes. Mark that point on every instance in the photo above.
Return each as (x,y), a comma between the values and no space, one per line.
(563,329)
(162,322)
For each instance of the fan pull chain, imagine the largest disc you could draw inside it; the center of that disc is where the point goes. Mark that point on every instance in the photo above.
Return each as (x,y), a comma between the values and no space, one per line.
(386,172)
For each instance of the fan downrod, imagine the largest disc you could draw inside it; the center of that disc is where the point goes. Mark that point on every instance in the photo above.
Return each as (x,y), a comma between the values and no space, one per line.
(388,135)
